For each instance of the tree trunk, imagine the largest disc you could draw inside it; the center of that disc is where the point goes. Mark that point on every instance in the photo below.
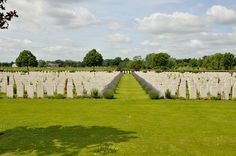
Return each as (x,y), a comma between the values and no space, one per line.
(28,69)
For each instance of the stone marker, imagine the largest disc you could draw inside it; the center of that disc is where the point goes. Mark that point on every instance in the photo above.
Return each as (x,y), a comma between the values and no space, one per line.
(40,92)
(10,92)
(20,90)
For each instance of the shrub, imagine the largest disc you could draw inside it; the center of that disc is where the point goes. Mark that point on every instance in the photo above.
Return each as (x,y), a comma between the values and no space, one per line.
(85,93)
(94,93)
(25,94)
(218,97)
(154,94)
(108,94)
(59,96)
(182,98)
(168,94)
(110,89)
(50,97)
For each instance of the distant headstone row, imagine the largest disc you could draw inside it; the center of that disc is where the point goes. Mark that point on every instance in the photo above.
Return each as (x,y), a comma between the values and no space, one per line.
(49,84)
(209,85)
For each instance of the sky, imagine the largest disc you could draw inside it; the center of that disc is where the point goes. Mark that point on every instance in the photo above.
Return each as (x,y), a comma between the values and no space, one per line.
(68,29)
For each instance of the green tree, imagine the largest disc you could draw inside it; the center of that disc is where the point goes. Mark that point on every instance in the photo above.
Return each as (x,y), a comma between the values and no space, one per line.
(26,59)
(228,61)
(136,63)
(42,63)
(149,61)
(117,61)
(161,60)
(193,63)
(5,16)
(93,58)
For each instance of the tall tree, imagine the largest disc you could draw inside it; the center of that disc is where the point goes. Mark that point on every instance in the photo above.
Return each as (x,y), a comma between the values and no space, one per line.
(136,63)
(228,61)
(117,61)
(26,59)
(93,58)
(150,61)
(5,16)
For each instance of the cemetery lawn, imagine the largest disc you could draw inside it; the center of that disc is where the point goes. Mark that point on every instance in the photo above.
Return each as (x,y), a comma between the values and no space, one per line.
(117,127)
(135,126)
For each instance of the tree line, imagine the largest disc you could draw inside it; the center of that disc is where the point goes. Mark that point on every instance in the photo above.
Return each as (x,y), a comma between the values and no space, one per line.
(154,61)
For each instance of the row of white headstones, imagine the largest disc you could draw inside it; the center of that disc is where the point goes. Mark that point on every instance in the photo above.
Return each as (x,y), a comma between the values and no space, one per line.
(198,85)
(39,84)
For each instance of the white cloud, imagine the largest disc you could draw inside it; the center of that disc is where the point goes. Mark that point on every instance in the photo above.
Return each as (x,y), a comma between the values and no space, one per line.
(196,44)
(68,18)
(37,16)
(12,47)
(114,26)
(121,38)
(148,43)
(178,22)
(221,14)
(27,41)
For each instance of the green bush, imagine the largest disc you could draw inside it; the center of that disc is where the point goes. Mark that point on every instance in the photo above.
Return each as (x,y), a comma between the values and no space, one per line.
(108,94)
(215,97)
(181,98)
(94,93)
(85,93)
(59,96)
(25,94)
(168,94)
(154,94)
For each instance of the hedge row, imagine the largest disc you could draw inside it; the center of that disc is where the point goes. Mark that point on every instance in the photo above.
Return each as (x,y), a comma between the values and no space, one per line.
(153,93)
(109,90)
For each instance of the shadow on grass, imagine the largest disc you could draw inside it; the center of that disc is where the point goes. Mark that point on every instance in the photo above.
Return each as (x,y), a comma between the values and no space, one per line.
(61,140)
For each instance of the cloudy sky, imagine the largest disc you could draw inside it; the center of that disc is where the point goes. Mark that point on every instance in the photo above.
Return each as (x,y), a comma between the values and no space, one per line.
(67,29)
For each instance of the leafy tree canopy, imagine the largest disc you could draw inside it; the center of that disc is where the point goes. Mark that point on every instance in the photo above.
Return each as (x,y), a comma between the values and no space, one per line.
(5,16)
(93,58)
(26,59)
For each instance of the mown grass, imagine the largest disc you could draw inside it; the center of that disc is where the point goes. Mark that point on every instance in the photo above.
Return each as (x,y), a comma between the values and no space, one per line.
(129,88)
(117,127)
(123,126)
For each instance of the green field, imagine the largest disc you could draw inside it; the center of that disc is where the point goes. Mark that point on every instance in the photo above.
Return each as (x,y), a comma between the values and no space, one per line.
(131,125)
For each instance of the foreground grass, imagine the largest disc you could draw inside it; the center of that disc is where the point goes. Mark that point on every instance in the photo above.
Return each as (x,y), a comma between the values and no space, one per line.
(117,127)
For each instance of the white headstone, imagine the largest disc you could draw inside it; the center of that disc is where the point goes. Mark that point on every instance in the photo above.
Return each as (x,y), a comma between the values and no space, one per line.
(20,90)
(10,92)
(70,91)
(182,91)
(40,92)
(61,89)
(234,92)
(3,87)
(79,90)
(192,92)
(214,91)
(50,90)
(30,91)
(203,91)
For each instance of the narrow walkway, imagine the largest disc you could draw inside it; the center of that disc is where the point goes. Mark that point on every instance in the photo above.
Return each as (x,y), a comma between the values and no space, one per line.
(129,88)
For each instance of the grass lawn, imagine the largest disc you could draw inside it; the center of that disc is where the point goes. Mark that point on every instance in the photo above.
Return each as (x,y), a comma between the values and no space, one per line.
(117,127)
